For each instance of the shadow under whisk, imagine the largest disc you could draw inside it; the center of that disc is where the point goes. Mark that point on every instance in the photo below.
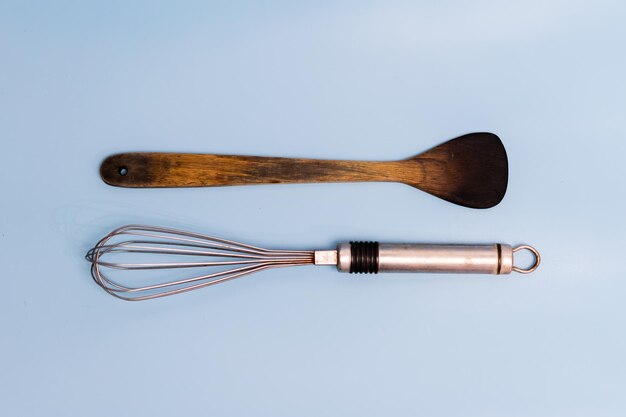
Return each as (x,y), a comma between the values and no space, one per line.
(198,260)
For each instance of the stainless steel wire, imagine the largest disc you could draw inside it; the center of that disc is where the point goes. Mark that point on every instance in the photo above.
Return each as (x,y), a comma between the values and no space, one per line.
(215,260)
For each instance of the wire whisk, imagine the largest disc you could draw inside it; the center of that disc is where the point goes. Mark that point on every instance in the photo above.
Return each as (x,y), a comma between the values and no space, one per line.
(216,260)
(202,260)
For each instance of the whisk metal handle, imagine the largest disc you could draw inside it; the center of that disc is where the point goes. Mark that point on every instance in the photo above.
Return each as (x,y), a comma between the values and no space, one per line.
(374,257)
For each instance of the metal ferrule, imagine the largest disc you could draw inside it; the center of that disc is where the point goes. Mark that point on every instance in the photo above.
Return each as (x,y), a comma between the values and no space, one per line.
(373,257)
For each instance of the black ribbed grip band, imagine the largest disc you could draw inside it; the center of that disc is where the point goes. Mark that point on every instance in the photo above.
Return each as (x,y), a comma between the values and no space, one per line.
(363,257)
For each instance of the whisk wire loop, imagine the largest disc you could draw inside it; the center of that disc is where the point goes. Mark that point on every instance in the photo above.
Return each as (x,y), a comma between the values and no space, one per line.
(223,260)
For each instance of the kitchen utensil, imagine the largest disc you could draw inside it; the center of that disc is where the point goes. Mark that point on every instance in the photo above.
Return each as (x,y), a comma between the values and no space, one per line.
(471,170)
(210,260)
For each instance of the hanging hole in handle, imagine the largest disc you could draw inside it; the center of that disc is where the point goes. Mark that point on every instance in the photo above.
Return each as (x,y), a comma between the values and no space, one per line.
(122,171)
(532,267)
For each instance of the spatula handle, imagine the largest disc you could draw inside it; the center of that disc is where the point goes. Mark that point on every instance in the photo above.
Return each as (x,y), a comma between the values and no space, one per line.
(206,170)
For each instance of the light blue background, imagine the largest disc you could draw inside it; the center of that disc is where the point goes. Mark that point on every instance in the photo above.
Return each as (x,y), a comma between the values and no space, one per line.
(355,80)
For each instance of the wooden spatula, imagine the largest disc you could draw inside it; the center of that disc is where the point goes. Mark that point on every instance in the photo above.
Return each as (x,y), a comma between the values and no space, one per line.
(471,170)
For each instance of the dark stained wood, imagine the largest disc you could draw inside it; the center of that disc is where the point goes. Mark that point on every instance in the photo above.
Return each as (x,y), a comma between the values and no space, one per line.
(471,170)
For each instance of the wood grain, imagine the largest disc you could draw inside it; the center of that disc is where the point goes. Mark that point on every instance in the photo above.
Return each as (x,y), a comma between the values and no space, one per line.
(471,170)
